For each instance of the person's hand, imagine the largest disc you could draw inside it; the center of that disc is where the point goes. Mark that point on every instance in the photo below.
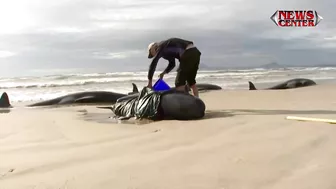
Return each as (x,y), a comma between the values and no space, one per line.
(161,75)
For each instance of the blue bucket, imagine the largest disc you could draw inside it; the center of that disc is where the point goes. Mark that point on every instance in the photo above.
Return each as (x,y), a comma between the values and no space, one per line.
(160,85)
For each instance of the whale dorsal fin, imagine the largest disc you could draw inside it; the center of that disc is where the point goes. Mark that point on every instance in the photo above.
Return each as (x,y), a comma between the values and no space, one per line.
(4,101)
(251,86)
(135,88)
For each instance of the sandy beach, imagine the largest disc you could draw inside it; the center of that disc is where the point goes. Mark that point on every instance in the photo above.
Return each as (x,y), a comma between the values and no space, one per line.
(244,142)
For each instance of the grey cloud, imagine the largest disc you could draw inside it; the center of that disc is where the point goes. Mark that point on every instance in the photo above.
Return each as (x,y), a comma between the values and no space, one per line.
(242,36)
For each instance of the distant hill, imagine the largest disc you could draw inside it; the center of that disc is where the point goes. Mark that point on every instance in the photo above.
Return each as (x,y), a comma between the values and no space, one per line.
(323,65)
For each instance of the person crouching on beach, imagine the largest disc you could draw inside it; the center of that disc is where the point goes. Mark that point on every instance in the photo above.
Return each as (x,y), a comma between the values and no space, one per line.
(187,54)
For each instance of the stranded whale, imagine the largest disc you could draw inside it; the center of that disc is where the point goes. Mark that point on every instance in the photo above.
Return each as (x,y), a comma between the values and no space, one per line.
(290,84)
(88,97)
(201,87)
(159,106)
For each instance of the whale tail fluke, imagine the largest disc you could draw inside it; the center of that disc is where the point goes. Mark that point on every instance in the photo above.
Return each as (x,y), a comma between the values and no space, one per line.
(4,101)
(251,86)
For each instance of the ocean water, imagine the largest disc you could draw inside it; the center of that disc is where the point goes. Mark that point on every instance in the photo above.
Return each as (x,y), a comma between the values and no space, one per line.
(25,89)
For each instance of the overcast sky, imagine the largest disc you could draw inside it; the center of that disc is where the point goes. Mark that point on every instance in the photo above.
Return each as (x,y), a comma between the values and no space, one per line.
(48,36)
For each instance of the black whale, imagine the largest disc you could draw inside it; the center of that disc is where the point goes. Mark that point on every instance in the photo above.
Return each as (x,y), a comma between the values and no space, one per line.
(202,87)
(95,97)
(290,84)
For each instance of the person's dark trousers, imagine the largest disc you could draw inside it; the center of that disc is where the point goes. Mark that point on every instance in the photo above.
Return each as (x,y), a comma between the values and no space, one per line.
(187,71)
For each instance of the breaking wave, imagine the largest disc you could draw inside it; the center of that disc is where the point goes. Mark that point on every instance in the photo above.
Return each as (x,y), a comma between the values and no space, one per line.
(69,80)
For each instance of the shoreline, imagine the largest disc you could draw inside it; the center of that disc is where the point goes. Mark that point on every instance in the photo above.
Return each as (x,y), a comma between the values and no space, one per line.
(259,85)
(40,88)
